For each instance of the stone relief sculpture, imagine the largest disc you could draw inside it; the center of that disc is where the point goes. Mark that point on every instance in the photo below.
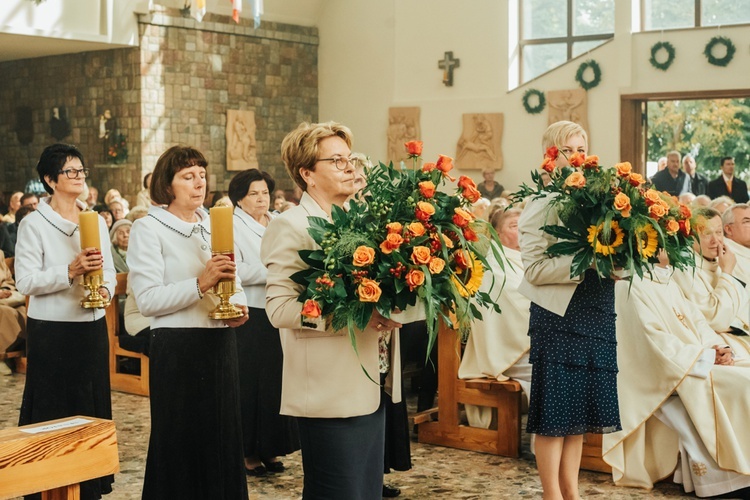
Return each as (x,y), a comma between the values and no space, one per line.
(479,146)
(403,126)
(570,105)
(241,147)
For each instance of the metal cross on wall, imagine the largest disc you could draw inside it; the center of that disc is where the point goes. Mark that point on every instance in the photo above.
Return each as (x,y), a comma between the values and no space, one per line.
(448,64)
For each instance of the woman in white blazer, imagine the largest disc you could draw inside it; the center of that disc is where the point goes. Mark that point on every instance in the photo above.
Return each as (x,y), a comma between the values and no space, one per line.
(572,333)
(340,416)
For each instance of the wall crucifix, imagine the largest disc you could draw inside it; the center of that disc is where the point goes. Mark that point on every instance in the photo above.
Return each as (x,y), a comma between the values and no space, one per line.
(448,64)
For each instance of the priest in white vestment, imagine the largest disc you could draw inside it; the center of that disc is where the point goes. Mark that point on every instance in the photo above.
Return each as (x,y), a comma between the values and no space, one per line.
(736,221)
(498,346)
(721,297)
(684,398)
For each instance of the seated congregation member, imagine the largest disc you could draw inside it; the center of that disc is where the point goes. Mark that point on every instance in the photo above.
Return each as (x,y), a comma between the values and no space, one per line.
(498,346)
(727,184)
(195,448)
(266,434)
(340,411)
(144,198)
(12,314)
(683,397)
(120,237)
(67,346)
(672,179)
(711,287)
(736,222)
(721,203)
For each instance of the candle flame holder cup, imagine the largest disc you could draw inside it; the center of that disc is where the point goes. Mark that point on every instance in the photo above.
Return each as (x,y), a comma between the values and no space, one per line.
(225,289)
(93,281)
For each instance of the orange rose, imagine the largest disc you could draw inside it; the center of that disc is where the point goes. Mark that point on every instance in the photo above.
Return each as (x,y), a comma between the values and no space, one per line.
(428,167)
(462,258)
(472,194)
(577,159)
(427,188)
(368,290)
(624,169)
(685,227)
(685,211)
(436,265)
(591,162)
(414,148)
(392,242)
(416,228)
(548,165)
(576,180)
(424,210)
(465,182)
(414,278)
(311,309)
(447,241)
(672,226)
(462,218)
(420,255)
(470,235)
(394,227)
(652,197)
(622,203)
(444,164)
(657,211)
(552,152)
(636,180)
(363,256)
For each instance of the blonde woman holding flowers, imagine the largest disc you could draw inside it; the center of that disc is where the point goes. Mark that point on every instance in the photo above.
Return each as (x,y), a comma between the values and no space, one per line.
(339,410)
(572,333)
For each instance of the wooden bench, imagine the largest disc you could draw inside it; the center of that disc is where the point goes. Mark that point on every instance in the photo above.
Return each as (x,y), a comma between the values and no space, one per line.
(55,461)
(505,397)
(119,381)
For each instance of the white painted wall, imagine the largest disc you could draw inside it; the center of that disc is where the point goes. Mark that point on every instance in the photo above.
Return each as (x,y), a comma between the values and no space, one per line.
(374,55)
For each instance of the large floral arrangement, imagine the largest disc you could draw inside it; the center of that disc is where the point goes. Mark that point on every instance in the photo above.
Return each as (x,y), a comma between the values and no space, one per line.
(401,241)
(118,150)
(610,219)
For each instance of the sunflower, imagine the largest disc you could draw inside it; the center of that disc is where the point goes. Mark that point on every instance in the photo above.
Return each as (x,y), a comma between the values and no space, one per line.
(647,240)
(476,272)
(616,237)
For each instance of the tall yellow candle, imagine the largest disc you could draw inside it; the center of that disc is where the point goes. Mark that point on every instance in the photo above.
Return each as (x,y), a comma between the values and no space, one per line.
(88,226)
(222,230)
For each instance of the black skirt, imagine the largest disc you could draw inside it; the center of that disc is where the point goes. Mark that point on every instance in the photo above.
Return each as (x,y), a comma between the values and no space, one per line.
(574,358)
(265,433)
(67,375)
(195,449)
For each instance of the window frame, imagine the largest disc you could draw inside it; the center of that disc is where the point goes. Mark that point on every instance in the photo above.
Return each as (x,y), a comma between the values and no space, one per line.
(697,23)
(568,40)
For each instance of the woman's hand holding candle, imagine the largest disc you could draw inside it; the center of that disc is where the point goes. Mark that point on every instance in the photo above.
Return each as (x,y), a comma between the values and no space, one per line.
(90,259)
(219,267)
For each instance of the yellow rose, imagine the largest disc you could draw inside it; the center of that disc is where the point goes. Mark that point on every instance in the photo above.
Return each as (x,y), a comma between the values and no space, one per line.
(368,290)
(575,180)
(363,256)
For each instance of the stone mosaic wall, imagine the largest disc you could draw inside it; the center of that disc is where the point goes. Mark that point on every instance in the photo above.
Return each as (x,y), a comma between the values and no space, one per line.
(174,89)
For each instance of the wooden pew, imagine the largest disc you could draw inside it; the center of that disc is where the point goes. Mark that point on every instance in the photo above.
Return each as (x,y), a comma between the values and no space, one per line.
(55,461)
(505,397)
(124,382)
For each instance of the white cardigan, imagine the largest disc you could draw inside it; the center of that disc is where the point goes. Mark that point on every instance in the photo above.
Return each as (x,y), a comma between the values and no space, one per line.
(46,245)
(166,255)
(247,236)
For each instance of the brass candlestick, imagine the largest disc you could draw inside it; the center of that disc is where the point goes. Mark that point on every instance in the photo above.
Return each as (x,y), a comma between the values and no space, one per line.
(94,300)
(225,289)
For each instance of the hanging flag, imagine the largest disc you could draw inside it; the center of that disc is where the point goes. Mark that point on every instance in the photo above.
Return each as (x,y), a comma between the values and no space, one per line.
(236,9)
(257,12)
(198,9)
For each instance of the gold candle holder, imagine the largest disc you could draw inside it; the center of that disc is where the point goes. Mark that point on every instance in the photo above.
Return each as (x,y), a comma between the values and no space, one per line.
(225,289)
(92,281)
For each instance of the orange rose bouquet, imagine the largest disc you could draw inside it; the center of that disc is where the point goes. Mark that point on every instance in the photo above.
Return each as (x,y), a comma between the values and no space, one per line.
(610,218)
(403,241)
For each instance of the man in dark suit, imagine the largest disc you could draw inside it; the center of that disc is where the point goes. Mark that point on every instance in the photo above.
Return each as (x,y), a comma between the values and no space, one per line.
(672,179)
(727,184)
(698,181)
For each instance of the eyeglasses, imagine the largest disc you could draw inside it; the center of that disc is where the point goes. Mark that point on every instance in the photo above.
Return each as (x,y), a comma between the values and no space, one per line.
(341,161)
(73,173)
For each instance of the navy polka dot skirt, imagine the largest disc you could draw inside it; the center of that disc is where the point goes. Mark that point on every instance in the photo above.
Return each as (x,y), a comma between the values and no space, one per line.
(574,358)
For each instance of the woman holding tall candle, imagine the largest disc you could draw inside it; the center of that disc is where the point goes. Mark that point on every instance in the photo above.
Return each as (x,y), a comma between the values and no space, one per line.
(68,370)
(266,434)
(176,257)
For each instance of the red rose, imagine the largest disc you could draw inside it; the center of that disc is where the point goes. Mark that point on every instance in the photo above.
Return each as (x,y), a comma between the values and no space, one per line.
(577,159)
(552,152)
(414,148)
(471,194)
(685,227)
(548,165)
(470,235)
(465,182)
(311,309)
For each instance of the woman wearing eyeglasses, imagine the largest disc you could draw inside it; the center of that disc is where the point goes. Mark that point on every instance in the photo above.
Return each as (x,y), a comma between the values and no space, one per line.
(68,364)
(339,413)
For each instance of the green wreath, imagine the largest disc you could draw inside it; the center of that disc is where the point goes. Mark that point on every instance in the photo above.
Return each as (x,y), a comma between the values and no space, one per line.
(670,55)
(709,51)
(589,84)
(533,110)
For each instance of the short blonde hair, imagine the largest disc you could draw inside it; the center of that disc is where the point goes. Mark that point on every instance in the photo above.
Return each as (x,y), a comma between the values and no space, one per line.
(299,149)
(557,133)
